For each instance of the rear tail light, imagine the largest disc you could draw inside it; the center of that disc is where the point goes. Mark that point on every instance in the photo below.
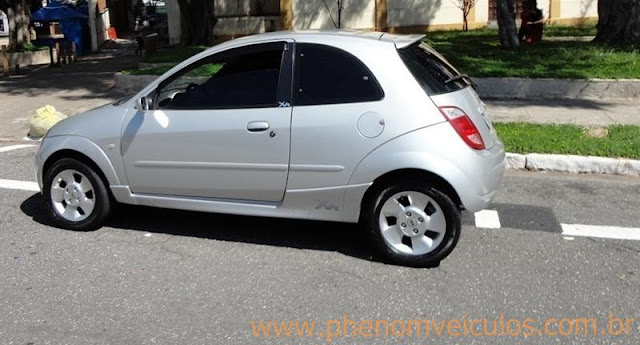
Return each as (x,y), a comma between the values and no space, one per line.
(461,122)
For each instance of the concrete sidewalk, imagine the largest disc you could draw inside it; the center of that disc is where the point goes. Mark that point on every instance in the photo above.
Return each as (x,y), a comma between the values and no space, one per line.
(71,89)
(588,113)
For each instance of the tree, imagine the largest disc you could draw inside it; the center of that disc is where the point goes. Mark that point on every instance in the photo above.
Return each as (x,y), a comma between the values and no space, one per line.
(198,18)
(618,21)
(340,4)
(19,14)
(507,25)
(465,6)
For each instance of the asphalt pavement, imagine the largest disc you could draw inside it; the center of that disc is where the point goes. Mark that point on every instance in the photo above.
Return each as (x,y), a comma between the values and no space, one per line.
(156,276)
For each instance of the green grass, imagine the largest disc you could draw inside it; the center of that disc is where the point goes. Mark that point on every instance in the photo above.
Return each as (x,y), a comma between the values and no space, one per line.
(174,54)
(28,47)
(622,140)
(478,53)
(588,29)
(202,71)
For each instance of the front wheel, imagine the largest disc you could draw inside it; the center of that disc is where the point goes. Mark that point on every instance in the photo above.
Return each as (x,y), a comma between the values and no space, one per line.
(76,195)
(412,223)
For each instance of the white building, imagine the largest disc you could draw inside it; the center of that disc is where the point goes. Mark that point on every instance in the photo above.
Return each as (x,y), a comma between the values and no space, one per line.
(243,17)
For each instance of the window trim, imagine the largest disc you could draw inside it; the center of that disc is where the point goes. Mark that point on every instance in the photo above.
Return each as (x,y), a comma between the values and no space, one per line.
(285,82)
(348,55)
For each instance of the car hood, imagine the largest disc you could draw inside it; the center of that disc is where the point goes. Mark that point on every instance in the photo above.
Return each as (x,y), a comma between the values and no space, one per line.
(101,122)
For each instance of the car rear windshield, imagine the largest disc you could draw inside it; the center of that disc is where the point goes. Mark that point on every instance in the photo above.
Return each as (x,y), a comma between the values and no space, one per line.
(431,70)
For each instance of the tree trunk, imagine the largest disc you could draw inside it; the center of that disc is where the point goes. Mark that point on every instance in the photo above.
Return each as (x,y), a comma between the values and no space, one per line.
(618,21)
(465,21)
(199,18)
(340,5)
(507,25)
(19,17)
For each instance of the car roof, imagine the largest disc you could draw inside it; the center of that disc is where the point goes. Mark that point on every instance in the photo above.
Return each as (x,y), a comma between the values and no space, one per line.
(400,41)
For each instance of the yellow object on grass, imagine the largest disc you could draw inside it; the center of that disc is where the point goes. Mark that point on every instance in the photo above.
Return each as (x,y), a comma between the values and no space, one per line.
(43,119)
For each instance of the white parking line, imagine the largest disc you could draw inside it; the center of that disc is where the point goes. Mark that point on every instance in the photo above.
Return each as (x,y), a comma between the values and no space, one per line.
(488,219)
(20,185)
(15,147)
(614,232)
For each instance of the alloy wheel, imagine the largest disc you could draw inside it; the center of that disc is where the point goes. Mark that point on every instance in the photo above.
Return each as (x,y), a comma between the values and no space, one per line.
(72,195)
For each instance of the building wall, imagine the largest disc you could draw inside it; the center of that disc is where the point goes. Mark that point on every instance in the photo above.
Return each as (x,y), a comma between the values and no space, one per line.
(578,8)
(312,14)
(238,17)
(98,22)
(243,8)
(544,5)
(482,11)
(427,12)
(413,15)
(103,23)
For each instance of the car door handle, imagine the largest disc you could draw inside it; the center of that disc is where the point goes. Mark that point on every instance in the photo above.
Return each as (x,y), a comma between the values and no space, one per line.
(257,126)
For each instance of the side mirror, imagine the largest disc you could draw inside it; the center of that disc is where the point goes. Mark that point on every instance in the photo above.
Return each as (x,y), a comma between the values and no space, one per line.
(143,103)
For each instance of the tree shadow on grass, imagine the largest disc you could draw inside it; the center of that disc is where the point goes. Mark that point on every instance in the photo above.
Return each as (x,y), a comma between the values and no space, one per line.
(348,239)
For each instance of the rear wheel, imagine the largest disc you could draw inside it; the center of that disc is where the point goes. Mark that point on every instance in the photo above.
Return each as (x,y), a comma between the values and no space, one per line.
(77,197)
(412,223)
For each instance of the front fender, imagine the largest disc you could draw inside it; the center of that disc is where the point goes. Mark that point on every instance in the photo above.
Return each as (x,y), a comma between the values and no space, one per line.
(51,145)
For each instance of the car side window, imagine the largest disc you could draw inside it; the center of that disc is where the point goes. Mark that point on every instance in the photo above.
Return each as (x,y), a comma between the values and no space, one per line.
(328,75)
(244,77)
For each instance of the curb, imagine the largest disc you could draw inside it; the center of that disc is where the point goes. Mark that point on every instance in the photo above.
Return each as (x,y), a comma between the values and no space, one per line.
(132,83)
(548,88)
(145,65)
(573,164)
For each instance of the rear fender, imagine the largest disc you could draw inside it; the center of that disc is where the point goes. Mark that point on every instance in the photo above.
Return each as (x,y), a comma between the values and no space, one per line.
(413,151)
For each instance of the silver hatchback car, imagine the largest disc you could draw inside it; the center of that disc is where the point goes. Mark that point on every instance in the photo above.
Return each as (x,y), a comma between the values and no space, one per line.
(340,126)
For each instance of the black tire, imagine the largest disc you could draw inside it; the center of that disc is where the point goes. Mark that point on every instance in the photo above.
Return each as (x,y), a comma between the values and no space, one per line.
(100,196)
(370,221)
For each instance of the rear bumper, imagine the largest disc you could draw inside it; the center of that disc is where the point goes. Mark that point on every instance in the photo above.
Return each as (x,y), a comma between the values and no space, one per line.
(488,171)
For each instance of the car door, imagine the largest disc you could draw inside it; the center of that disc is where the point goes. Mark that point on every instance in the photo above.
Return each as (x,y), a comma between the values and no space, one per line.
(337,116)
(219,128)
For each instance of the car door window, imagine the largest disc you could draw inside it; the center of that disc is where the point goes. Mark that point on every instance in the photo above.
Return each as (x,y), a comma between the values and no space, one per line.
(246,77)
(327,75)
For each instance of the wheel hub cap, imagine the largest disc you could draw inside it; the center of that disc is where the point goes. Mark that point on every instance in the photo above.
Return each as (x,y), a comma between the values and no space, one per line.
(412,223)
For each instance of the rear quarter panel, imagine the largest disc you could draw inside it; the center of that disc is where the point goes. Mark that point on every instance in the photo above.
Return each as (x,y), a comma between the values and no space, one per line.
(437,149)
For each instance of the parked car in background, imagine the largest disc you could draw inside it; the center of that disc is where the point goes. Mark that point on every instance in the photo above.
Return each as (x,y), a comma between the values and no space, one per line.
(339,126)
